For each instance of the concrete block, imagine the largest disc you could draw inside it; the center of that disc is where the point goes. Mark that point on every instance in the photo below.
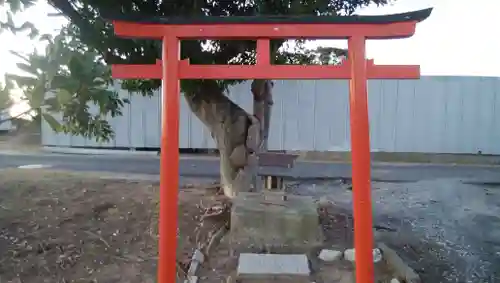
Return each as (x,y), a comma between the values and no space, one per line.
(349,255)
(329,255)
(273,267)
(269,222)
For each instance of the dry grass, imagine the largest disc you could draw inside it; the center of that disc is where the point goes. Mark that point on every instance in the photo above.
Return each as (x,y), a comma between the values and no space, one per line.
(65,227)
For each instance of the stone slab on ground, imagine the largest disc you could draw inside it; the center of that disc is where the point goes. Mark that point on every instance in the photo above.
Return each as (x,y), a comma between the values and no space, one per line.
(265,222)
(273,268)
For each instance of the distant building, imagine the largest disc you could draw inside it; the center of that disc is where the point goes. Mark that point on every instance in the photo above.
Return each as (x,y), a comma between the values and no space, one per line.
(5,122)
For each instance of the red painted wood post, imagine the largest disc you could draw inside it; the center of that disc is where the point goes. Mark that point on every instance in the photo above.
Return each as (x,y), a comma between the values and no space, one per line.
(360,148)
(169,162)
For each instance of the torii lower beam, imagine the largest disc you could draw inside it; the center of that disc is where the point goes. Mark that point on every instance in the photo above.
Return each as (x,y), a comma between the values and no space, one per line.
(277,72)
(357,29)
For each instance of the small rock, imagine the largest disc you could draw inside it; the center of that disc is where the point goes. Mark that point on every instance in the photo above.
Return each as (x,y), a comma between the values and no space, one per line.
(194,279)
(323,201)
(198,256)
(395,280)
(349,255)
(329,255)
(377,255)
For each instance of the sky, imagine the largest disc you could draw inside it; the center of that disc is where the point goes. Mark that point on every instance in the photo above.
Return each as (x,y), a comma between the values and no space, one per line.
(461,37)
(454,40)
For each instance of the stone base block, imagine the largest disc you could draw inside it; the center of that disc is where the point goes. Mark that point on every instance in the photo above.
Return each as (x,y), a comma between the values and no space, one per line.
(265,222)
(273,268)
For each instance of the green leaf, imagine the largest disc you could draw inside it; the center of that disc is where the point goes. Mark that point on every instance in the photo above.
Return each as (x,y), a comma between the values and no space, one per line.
(30,69)
(64,82)
(64,96)
(22,81)
(37,95)
(76,67)
(52,105)
(10,21)
(15,5)
(53,123)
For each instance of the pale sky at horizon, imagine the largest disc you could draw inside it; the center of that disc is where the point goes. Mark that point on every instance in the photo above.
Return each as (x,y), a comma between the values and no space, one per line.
(457,39)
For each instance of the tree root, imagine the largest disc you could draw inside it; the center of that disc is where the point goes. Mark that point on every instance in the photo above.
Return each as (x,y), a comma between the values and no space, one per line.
(215,239)
(213,224)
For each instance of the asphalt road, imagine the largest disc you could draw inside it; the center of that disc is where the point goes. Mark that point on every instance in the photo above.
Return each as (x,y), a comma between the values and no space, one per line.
(209,167)
(448,215)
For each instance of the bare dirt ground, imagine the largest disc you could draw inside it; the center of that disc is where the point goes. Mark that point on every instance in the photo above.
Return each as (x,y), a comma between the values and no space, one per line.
(60,227)
(63,227)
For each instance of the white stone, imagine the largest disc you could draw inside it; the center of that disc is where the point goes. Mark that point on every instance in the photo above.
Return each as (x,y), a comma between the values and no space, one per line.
(377,255)
(198,256)
(272,264)
(395,280)
(349,255)
(194,279)
(329,255)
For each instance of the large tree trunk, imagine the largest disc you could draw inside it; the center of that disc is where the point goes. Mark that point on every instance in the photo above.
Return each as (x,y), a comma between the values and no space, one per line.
(231,126)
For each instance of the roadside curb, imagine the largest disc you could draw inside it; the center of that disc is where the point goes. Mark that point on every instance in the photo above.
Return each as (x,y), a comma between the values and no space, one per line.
(18,152)
(154,154)
(88,151)
(131,177)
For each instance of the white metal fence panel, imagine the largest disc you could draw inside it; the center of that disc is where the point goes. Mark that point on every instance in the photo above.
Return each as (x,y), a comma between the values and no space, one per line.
(432,115)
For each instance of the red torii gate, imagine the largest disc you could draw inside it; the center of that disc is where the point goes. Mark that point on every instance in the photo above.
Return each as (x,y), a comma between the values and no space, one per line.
(357,29)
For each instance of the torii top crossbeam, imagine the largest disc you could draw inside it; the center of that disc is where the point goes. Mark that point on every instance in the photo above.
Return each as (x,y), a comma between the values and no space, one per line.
(357,29)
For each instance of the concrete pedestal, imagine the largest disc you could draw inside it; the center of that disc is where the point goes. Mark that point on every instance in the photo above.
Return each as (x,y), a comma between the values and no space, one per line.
(265,222)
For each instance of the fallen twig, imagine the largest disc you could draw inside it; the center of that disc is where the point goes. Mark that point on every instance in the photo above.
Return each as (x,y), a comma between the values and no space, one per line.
(213,212)
(216,237)
(98,237)
(197,259)
(181,268)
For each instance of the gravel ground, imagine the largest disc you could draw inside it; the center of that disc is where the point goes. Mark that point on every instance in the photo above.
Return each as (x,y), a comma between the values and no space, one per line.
(447,230)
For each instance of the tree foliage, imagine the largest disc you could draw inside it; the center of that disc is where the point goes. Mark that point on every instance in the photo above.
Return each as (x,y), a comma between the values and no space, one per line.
(10,8)
(73,69)
(97,33)
(69,85)
(5,99)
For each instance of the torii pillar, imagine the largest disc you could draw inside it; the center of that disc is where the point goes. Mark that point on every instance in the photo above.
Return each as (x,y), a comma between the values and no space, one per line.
(356,29)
